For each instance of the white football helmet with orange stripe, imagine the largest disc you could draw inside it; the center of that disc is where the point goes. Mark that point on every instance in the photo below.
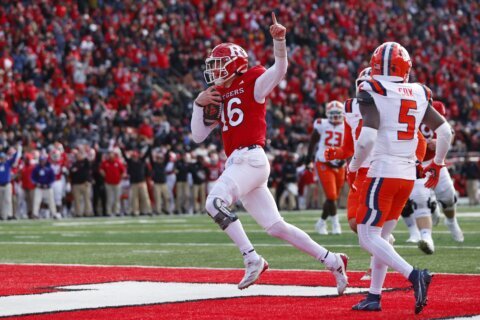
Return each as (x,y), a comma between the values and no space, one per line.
(364,75)
(334,112)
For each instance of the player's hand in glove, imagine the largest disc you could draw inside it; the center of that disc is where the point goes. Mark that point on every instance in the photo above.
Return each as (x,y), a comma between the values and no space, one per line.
(333,153)
(432,172)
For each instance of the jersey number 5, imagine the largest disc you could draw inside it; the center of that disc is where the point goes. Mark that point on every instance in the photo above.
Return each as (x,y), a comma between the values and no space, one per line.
(408,119)
(235,115)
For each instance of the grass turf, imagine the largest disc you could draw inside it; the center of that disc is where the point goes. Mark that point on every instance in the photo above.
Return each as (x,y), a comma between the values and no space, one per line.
(195,241)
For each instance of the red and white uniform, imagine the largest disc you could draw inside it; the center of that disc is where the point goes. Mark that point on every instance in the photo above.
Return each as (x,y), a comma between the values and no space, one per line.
(444,192)
(243,118)
(242,125)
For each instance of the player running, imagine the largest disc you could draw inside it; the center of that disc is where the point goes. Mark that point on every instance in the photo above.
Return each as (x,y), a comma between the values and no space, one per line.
(423,201)
(331,173)
(242,92)
(392,111)
(353,127)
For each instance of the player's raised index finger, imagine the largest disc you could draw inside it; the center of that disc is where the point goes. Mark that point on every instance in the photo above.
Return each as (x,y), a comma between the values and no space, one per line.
(274,18)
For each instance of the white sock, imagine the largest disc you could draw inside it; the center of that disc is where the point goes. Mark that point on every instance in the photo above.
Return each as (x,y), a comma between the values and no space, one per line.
(239,237)
(379,269)
(426,234)
(334,219)
(411,224)
(379,272)
(371,240)
(451,220)
(302,241)
(410,221)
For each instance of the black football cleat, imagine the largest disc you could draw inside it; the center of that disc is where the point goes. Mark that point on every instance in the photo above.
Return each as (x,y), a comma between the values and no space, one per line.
(368,304)
(421,280)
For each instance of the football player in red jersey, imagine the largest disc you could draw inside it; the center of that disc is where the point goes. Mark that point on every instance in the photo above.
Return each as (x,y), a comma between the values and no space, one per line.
(242,92)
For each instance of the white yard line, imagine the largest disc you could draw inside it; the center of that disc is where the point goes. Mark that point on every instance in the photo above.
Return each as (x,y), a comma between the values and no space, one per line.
(196,244)
(201,230)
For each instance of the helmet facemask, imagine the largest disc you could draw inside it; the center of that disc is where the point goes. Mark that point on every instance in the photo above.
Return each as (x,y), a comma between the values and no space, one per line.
(335,116)
(215,70)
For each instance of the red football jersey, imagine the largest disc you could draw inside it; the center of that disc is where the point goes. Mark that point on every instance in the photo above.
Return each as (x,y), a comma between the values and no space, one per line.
(243,119)
(429,136)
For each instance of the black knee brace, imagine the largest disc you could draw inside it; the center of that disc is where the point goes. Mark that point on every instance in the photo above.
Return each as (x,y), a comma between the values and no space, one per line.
(224,217)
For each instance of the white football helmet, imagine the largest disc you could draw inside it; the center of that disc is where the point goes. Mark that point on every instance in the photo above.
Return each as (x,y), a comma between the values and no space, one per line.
(365,74)
(334,112)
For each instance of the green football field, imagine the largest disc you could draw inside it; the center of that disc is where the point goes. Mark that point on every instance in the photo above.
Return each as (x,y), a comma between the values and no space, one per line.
(195,241)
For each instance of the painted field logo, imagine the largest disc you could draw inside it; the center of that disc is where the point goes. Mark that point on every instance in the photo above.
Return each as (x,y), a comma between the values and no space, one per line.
(133,293)
(88,292)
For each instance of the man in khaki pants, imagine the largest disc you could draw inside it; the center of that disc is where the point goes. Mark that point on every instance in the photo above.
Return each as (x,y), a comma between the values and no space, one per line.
(112,169)
(199,177)
(5,183)
(136,168)
(80,177)
(182,188)
(160,188)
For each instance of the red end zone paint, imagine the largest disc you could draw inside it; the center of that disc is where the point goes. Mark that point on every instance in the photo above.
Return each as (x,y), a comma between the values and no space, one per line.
(450,295)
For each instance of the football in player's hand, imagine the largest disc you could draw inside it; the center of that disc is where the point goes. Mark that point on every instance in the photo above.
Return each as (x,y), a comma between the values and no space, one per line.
(211,114)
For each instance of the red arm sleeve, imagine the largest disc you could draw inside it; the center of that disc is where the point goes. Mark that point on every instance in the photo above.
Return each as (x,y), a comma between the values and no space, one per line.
(347,145)
(421,146)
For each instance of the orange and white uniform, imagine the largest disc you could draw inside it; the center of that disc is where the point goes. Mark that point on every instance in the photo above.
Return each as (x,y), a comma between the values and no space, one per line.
(392,172)
(330,173)
(353,127)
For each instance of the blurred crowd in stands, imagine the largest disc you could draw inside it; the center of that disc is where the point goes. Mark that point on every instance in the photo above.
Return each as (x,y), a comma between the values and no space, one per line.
(104,89)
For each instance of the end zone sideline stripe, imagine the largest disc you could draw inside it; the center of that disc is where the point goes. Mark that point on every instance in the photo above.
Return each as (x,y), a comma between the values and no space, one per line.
(192,268)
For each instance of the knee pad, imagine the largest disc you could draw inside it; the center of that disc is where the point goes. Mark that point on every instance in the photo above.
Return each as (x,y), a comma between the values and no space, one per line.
(448,202)
(408,209)
(423,209)
(225,189)
(445,193)
(278,230)
(220,213)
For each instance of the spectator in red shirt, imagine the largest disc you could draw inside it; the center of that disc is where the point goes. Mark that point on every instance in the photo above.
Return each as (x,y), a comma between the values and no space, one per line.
(112,169)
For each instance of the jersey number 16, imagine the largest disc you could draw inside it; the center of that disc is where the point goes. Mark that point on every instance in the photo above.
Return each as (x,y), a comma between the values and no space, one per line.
(235,115)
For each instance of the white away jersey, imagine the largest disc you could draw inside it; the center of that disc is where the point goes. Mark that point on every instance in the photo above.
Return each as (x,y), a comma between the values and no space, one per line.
(330,136)
(353,118)
(401,107)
